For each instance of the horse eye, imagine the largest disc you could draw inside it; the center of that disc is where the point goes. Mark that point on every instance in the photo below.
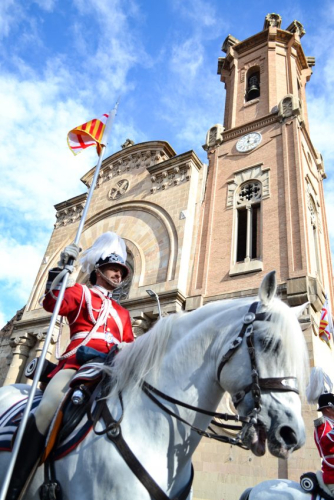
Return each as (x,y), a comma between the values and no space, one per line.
(270,344)
(266,343)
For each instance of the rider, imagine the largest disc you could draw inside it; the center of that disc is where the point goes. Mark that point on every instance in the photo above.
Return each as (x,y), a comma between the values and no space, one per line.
(95,320)
(324,438)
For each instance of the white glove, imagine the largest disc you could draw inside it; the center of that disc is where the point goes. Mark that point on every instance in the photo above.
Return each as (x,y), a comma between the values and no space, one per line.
(70,252)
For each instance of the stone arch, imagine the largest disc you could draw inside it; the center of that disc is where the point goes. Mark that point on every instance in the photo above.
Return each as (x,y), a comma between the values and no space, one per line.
(150,236)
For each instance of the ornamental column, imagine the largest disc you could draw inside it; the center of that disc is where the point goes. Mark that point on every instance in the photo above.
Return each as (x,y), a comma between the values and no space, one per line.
(21,348)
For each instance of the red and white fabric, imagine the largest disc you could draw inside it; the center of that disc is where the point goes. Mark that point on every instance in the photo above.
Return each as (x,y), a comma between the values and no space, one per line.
(324,439)
(83,313)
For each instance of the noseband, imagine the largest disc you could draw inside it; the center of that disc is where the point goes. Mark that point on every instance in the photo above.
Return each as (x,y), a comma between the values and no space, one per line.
(279,384)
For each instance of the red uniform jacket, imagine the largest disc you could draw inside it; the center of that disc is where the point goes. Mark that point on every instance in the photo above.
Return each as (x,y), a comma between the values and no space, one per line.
(74,306)
(324,439)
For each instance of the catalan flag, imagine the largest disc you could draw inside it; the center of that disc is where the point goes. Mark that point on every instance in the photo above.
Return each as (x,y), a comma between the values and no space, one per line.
(92,133)
(325,325)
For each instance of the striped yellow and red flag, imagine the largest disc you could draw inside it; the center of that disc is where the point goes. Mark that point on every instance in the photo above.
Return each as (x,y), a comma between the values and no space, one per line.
(92,133)
(88,134)
(325,325)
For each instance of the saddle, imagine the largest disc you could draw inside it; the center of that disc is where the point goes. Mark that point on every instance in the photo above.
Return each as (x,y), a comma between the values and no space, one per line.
(77,406)
(312,482)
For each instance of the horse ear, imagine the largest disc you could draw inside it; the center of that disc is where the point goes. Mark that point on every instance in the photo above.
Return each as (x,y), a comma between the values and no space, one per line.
(298,310)
(267,288)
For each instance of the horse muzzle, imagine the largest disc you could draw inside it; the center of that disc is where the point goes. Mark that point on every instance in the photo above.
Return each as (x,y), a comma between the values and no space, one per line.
(281,439)
(285,439)
(257,438)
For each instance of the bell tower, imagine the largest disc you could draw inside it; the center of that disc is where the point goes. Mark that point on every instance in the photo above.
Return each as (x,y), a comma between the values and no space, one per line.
(264,210)
(264,204)
(262,70)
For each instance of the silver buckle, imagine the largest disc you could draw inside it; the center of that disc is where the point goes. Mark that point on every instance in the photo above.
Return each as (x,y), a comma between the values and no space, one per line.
(249,318)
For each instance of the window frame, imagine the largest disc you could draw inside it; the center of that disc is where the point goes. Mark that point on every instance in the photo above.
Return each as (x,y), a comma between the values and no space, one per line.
(249,263)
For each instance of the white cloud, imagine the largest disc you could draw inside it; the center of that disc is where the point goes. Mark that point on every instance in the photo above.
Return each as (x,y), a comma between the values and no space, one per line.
(37,167)
(19,264)
(118,45)
(202,14)
(47,5)
(186,60)
(10,15)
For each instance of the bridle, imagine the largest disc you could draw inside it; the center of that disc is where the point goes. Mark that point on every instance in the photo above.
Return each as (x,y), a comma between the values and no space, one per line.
(258,384)
(278,384)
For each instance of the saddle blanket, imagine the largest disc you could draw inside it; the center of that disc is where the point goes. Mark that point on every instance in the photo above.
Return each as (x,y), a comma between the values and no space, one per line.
(10,420)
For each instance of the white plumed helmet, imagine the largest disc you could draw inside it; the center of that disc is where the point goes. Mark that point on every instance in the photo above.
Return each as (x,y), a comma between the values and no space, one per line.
(109,248)
(319,389)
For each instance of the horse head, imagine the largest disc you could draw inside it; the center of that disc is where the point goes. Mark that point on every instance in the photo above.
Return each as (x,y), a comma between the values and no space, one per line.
(261,370)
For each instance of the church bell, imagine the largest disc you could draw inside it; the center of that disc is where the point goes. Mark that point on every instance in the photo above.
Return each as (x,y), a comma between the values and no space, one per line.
(253,88)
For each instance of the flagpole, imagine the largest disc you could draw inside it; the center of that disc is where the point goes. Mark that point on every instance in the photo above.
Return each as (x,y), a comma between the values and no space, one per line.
(37,376)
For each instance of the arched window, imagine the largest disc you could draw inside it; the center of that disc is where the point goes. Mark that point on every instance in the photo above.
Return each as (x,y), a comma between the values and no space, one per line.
(314,237)
(248,204)
(253,84)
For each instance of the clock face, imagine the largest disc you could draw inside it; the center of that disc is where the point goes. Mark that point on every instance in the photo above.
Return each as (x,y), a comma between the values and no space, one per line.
(248,142)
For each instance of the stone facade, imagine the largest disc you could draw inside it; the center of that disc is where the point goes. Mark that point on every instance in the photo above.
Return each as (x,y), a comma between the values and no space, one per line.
(196,233)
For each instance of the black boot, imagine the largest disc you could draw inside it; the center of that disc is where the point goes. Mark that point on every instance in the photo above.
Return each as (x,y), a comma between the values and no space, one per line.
(31,448)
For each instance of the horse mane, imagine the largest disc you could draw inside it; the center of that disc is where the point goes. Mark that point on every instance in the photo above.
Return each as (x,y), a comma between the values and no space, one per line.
(136,360)
(286,333)
(284,339)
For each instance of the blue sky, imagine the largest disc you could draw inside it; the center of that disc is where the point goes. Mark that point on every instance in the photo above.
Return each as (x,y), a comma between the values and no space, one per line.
(64,62)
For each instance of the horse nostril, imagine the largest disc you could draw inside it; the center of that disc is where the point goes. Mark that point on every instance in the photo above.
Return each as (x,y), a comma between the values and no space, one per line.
(288,435)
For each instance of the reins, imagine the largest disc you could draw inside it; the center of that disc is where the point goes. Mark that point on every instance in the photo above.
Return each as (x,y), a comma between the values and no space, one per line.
(149,390)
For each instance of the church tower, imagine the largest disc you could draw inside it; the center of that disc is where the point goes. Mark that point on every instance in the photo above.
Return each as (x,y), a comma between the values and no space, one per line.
(264,202)
(264,210)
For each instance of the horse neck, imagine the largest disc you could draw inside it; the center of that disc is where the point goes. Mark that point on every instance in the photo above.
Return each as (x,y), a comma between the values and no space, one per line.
(188,370)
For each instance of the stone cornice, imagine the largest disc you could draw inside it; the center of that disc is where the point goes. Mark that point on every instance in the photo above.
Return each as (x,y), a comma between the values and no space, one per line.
(269,35)
(70,211)
(36,328)
(173,171)
(139,155)
(281,292)
(251,42)
(164,297)
(33,325)
(248,127)
(71,202)
(176,161)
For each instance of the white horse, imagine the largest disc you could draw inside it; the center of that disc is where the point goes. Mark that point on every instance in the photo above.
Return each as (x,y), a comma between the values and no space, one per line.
(194,358)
